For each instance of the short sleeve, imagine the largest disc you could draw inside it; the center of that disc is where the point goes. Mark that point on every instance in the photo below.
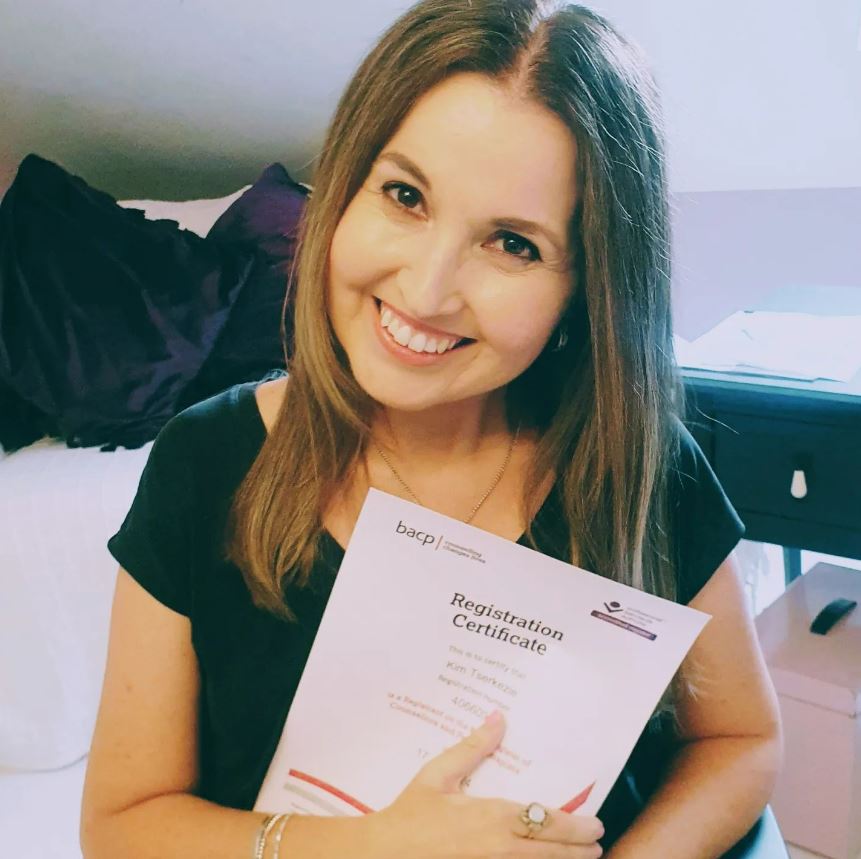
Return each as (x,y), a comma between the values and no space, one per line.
(706,526)
(153,543)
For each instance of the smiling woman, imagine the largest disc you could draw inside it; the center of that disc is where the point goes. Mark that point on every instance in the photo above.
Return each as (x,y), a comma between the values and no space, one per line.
(483,326)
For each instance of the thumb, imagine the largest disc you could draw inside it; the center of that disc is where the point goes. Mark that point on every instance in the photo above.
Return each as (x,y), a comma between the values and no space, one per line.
(447,770)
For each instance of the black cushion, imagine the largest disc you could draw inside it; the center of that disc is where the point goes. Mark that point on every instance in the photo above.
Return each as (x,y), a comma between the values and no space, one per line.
(264,221)
(105,317)
(20,423)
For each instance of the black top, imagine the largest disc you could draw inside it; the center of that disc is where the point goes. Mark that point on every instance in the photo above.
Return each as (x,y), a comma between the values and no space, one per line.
(251,662)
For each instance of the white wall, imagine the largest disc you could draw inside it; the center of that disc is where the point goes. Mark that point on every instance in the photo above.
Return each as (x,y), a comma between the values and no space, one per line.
(758,95)
(178,97)
(146,97)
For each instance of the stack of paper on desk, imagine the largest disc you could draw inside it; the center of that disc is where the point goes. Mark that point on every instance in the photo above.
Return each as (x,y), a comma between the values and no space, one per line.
(788,345)
(431,625)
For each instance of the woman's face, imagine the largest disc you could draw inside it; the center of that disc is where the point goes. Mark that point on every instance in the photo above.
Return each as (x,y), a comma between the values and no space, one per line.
(449,269)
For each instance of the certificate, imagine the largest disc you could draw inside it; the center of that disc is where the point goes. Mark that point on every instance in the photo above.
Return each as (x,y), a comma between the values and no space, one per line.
(431,625)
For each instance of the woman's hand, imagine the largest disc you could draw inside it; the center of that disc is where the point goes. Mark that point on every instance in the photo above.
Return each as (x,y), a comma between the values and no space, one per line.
(433,819)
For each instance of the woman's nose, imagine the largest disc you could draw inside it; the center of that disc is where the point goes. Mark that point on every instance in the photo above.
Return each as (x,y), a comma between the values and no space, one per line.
(431,283)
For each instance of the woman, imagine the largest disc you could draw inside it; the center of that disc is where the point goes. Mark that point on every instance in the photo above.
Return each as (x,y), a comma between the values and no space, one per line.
(482,326)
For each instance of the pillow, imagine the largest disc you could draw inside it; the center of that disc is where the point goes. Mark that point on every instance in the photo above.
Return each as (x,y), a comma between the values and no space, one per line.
(20,423)
(195,215)
(264,221)
(105,317)
(267,215)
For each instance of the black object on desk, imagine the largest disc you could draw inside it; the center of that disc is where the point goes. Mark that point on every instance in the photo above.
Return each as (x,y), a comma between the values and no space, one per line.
(835,611)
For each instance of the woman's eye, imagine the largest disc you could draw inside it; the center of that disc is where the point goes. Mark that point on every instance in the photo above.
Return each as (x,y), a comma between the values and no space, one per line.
(517,246)
(405,195)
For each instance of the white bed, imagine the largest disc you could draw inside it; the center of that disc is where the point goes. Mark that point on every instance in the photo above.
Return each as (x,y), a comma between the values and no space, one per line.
(39,813)
(58,507)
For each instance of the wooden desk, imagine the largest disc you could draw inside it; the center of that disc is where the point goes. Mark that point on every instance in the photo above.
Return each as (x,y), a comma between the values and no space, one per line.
(758,433)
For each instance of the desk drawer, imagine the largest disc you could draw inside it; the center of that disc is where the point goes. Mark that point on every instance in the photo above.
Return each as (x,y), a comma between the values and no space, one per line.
(756,460)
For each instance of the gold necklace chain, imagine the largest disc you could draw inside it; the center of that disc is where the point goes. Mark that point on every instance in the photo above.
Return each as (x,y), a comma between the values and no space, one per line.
(483,498)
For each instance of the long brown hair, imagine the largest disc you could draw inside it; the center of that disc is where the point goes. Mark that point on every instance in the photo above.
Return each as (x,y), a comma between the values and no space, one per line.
(606,403)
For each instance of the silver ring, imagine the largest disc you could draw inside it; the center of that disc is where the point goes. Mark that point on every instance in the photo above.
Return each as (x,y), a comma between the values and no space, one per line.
(535,816)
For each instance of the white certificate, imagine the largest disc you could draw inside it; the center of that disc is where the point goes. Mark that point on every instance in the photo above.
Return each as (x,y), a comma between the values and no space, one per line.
(431,625)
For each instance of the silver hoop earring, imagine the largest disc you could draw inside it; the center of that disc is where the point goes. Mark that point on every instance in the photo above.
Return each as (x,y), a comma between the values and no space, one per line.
(562,340)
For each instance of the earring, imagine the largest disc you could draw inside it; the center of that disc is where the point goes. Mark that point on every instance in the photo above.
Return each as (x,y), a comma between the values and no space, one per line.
(562,340)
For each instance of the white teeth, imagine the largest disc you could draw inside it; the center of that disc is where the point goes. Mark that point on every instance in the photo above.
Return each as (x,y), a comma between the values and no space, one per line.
(417,343)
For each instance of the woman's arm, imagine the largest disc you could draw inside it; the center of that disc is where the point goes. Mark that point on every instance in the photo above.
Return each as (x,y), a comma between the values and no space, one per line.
(143,761)
(723,775)
(139,802)
(181,826)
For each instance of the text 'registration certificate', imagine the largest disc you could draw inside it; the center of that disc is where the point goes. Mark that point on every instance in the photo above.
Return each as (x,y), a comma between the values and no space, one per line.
(431,625)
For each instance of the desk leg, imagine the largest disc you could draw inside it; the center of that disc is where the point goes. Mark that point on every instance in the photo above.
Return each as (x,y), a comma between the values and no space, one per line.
(791,564)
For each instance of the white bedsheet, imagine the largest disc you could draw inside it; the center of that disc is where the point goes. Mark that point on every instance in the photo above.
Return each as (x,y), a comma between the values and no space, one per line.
(58,507)
(40,813)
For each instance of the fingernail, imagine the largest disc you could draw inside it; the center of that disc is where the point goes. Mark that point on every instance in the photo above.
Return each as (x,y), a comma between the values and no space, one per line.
(494,718)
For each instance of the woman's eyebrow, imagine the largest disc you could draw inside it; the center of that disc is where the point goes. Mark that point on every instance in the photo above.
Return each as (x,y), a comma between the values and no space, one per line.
(406,164)
(520,224)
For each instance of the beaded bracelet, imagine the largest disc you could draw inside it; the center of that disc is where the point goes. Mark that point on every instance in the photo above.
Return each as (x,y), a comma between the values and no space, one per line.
(269,822)
(278,834)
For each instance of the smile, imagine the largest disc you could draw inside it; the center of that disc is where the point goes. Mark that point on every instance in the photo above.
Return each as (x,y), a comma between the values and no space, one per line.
(413,337)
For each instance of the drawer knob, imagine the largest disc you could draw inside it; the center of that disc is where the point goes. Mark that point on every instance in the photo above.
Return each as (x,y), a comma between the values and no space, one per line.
(798,489)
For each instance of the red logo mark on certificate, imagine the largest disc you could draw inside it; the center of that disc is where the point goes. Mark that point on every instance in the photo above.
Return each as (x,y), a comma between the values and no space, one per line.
(344,797)
(572,805)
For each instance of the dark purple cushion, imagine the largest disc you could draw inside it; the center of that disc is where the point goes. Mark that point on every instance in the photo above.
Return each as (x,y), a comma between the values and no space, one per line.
(105,317)
(264,221)
(20,423)
(266,216)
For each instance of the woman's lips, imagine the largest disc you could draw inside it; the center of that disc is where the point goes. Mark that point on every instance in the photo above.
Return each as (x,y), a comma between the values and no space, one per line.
(416,326)
(403,353)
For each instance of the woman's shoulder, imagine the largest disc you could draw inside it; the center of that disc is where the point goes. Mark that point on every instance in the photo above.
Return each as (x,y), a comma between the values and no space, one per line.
(177,519)
(224,426)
